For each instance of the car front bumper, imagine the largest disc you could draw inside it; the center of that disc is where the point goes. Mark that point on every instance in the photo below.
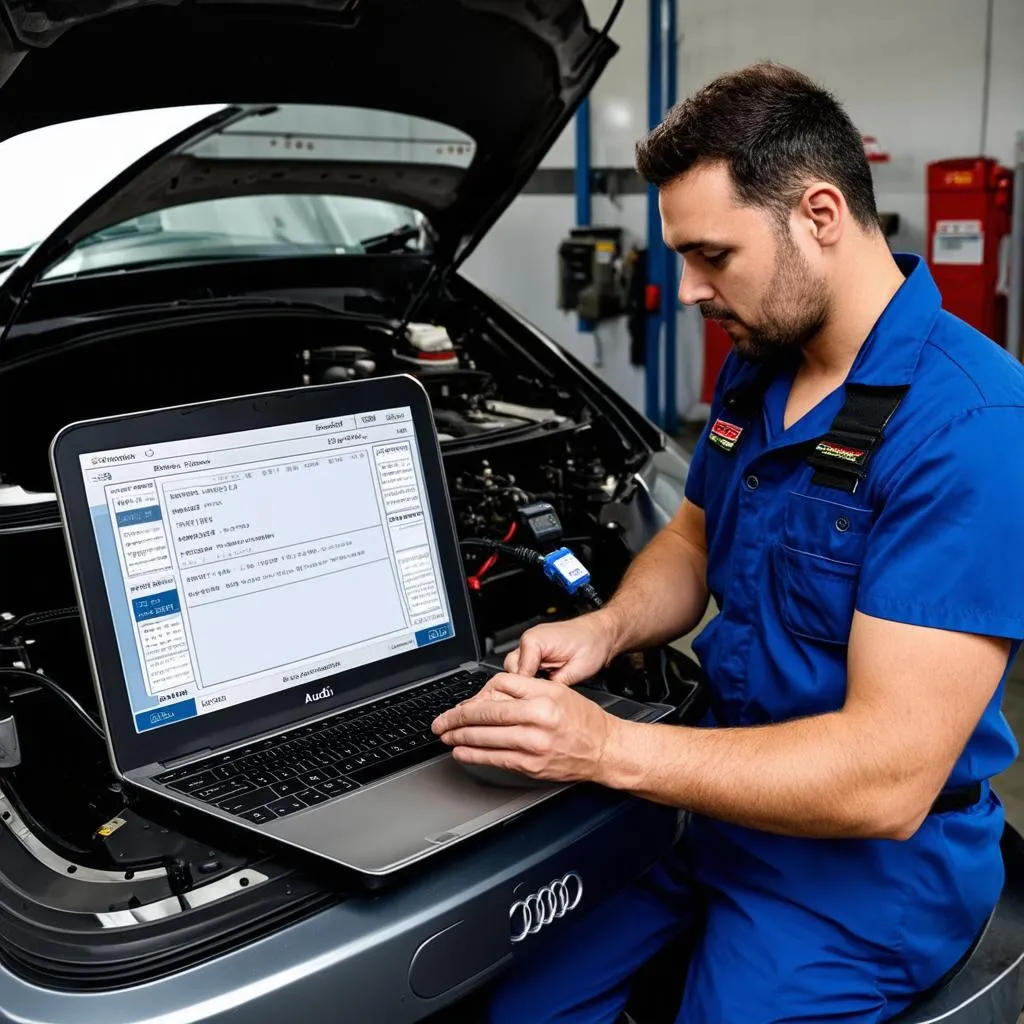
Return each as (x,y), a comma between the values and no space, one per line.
(399,954)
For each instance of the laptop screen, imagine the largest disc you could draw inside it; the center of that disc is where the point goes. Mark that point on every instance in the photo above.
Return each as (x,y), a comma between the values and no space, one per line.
(239,565)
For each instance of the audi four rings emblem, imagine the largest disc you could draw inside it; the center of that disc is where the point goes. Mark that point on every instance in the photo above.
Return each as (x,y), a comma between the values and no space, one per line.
(547,904)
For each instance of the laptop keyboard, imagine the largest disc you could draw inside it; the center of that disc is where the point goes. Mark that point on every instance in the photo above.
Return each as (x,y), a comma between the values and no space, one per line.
(313,763)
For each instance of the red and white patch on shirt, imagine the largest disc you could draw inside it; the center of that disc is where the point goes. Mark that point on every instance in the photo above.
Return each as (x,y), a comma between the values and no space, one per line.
(725,435)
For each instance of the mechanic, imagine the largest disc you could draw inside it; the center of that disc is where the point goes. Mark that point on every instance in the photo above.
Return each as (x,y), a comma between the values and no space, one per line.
(856,510)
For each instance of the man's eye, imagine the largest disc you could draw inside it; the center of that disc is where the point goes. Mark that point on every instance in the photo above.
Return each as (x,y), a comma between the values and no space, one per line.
(716,259)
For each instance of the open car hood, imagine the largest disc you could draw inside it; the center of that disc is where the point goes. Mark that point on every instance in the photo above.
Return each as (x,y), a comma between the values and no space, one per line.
(498,80)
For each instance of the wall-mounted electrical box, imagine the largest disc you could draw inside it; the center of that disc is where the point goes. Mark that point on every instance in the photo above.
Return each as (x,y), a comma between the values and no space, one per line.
(593,276)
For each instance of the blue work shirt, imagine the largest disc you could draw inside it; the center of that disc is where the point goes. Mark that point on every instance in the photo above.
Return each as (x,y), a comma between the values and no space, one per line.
(933,537)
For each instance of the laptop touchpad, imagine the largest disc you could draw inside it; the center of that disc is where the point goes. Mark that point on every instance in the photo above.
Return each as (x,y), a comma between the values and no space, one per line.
(386,824)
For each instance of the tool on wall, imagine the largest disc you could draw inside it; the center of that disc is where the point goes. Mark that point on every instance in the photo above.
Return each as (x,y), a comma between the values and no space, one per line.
(593,279)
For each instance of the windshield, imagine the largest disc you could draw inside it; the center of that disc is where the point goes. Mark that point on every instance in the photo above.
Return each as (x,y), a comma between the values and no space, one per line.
(273,181)
(242,227)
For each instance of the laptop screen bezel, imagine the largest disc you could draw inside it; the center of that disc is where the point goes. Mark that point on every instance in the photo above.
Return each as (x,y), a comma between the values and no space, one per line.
(130,749)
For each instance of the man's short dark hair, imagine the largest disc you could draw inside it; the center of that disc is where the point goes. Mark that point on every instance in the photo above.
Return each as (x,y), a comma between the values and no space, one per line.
(775,129)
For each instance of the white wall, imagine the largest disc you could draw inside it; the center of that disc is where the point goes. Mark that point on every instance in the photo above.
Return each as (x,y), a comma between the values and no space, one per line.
(619,100)
(910,72)
(518,259)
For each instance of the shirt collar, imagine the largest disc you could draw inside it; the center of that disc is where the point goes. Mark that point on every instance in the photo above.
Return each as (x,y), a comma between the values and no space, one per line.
(888,357)
(891,351)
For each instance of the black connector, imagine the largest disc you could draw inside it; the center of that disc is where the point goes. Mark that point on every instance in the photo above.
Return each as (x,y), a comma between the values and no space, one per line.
(541,524)
(590,595)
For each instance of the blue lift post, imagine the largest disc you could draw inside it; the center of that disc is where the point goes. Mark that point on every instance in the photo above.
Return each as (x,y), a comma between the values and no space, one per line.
(583,204)
(669,313)
(655,265)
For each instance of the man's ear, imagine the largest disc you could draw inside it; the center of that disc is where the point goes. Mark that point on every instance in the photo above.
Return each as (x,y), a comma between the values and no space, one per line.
(823,212)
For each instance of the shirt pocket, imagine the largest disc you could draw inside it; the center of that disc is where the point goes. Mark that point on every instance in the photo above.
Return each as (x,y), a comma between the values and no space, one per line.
(817,562)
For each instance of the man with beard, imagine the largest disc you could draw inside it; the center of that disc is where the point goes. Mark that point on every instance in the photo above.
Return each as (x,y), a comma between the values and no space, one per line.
(856,510)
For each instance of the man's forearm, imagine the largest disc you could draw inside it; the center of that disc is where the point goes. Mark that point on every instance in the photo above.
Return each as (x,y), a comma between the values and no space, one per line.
(809,777)
(662,595)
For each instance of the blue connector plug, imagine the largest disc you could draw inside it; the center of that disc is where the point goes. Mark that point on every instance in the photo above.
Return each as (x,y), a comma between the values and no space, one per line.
(566,570)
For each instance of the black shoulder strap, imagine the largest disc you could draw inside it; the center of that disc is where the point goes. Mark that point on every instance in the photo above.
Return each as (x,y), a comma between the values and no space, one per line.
(840,458)
(739,406)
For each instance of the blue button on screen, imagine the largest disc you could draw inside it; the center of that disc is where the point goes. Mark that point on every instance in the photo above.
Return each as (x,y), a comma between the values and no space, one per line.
(155,605)
(165,715)
(138,516)
(433,634)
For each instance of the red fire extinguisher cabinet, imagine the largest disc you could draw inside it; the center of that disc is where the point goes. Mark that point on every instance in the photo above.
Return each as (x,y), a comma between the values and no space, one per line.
(968,229)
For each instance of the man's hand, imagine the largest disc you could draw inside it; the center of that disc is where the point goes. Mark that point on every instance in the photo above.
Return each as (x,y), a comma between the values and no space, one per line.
(541,729)
(569,651)
(663,595)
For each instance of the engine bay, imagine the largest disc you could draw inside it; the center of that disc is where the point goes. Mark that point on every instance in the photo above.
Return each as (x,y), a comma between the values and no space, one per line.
(510,430)
(516,431)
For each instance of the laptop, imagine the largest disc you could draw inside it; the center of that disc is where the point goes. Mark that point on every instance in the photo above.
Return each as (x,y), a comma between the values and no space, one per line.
(275,609)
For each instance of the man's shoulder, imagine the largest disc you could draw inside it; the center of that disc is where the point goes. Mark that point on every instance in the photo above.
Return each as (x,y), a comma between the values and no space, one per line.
(966,370)
(966,396)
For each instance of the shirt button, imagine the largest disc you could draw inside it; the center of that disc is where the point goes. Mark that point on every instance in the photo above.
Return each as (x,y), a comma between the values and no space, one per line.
(842,524)
(752,482)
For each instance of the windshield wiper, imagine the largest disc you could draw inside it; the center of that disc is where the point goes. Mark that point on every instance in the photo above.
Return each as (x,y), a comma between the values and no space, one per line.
(394,241)
(9,256)
(119,232)
(243,302)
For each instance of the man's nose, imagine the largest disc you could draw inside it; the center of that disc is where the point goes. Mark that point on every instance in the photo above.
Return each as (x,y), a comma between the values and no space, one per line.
(693,289)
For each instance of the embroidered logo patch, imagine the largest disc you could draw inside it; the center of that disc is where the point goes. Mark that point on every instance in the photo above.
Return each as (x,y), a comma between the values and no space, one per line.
(725,435)
(837,451)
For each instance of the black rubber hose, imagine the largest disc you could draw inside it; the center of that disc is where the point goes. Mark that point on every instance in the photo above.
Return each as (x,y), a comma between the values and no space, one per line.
(38,619)
(517,551)
(58,691)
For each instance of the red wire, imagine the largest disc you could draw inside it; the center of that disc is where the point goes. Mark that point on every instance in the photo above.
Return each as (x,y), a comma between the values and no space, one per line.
(474,580)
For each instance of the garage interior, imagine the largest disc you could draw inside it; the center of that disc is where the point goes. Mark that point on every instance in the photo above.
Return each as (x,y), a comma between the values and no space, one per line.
(958,97)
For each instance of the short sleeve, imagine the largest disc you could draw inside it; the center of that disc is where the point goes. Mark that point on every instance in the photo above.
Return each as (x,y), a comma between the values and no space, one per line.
(947,548)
